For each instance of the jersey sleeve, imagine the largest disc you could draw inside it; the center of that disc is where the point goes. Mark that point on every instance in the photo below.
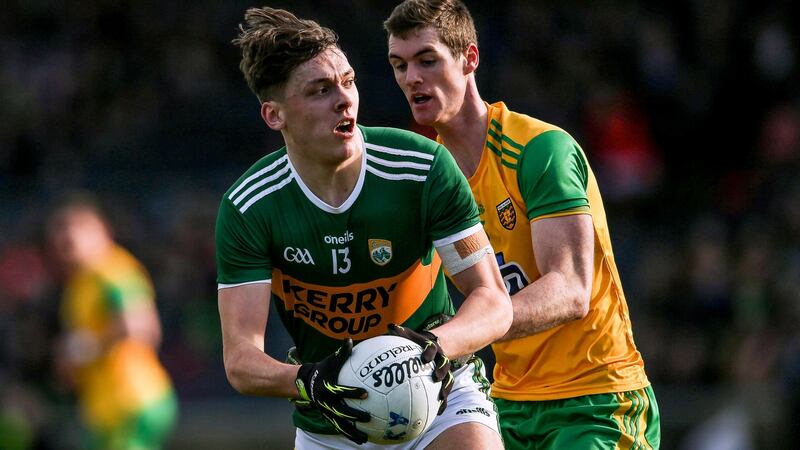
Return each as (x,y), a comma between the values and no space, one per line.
(553,175)
(449,203)
(242,254)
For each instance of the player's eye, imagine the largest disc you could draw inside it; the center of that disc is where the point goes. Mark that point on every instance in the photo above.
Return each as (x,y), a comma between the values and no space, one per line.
(349,82)
(400,67)
(428,62)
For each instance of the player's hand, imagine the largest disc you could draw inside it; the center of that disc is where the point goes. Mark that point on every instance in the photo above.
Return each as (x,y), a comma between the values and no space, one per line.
(431,352)
(317,384)
(293,358)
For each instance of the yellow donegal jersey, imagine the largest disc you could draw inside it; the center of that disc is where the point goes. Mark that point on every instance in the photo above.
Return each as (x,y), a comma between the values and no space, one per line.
(531,170)
(126,376)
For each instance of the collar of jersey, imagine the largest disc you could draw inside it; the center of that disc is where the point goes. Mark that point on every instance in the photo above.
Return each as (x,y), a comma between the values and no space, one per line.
(319,203)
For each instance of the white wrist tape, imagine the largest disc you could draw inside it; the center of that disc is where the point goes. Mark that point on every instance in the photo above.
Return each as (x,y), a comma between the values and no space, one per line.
(464,253)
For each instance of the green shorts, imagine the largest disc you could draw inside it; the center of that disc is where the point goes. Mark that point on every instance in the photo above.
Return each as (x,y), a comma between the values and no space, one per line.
(147,430)
(623,420)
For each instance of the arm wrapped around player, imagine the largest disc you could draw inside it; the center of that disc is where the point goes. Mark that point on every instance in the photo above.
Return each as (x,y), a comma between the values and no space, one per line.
(431,352)
(317,384)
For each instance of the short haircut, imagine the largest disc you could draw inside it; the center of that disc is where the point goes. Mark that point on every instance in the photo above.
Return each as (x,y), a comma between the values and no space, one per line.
(77,201)
(450,18)
(274,42)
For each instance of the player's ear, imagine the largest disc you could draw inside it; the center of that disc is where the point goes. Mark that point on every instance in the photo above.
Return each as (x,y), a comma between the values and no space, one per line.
(471,59)
(272,114)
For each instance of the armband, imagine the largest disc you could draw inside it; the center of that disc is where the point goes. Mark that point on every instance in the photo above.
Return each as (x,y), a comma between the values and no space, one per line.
(464,253)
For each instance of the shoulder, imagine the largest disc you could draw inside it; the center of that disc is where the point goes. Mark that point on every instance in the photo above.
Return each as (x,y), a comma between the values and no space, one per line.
(400,155)
(120,266)
(267,175)
(531,135)
(119,259)
(524,130)
(555,142)
(553,151)
(397,139)
(269,164)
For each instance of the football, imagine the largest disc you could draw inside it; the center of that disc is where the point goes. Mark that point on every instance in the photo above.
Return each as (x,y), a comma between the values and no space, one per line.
(402,397)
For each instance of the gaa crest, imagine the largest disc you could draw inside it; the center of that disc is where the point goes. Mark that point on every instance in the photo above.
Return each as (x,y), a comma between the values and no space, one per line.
(380,251)
(507,214)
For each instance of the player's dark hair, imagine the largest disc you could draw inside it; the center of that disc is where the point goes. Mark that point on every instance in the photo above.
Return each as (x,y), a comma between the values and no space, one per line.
(450,18)
(273,43)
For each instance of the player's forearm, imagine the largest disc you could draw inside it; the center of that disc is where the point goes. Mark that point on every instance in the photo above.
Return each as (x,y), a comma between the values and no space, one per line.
(484,317)
(252,372)
(550,301)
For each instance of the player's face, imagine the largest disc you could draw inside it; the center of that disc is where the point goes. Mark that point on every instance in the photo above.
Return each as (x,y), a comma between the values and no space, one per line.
(319,109)
(432,79)
(76,236)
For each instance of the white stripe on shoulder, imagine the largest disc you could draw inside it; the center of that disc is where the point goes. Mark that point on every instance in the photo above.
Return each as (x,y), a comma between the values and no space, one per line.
(266,192)
(221,286)
(266,180)
(458,236)
(401,164)
(397,151)
(252,177)
(395,176)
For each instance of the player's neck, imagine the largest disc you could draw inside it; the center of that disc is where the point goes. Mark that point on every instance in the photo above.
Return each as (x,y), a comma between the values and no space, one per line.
(97,254)
(331,183)
(465,133)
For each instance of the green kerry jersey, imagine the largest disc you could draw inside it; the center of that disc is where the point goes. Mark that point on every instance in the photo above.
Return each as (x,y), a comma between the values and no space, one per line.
(350,270)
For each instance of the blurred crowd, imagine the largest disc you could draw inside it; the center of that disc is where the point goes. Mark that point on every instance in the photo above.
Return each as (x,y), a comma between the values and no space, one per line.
(689,113)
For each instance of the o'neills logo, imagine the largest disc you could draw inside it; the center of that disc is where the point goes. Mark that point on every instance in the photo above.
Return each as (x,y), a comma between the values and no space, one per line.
(391,353)
(346,237)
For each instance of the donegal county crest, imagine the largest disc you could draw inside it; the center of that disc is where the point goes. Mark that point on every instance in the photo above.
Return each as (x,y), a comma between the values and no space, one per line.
(380,251)
(507,214)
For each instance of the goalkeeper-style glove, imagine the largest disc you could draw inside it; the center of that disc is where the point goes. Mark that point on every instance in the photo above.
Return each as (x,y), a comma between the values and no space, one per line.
(317,384)
(431,352)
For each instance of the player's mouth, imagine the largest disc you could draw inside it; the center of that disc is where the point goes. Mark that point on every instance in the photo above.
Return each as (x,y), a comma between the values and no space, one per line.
(420,99)
(344,128)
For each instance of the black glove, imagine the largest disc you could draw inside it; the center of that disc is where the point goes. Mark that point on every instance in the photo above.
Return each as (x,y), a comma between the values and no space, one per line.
(431,351)
(317,384)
